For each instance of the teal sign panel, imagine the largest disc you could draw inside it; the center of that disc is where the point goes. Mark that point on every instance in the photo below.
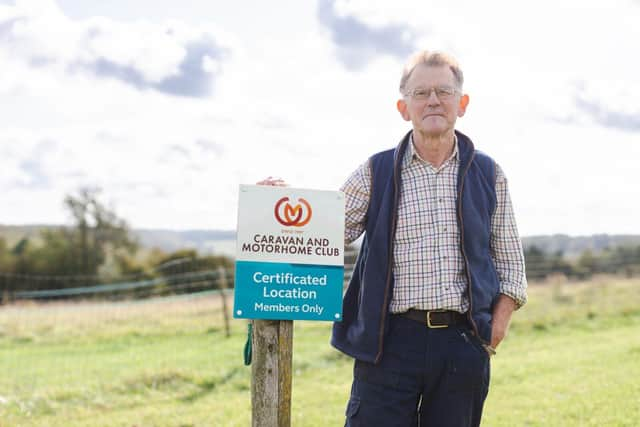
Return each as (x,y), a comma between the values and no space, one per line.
(281,291)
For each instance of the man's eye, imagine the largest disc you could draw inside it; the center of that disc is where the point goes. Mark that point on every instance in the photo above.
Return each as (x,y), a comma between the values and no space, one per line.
(420,93)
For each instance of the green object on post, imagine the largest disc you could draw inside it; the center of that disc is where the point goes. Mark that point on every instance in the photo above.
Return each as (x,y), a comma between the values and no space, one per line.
(248,345)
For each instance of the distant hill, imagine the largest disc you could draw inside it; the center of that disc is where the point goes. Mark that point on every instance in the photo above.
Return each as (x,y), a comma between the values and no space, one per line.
(223,241)
(572,246)
(204,241)
(12,234)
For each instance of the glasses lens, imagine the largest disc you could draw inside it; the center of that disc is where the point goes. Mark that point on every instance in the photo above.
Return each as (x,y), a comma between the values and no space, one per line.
(442,92)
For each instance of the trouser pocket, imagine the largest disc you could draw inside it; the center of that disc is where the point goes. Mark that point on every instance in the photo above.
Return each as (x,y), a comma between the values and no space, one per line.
(469,363)
(353,406)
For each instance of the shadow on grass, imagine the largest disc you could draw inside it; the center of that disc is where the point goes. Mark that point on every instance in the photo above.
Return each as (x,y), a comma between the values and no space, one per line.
(176,382)
(164,381)
(208,386)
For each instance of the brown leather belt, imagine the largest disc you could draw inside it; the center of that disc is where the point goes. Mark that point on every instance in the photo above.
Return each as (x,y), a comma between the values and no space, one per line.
(436,318)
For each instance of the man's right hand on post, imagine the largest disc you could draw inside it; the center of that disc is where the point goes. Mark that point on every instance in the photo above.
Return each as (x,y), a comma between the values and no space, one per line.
(276,182)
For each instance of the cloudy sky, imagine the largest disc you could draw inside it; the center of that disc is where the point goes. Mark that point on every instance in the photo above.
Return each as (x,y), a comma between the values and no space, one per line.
(168,106)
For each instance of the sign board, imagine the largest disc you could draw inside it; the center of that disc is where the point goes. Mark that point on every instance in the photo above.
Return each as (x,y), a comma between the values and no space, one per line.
(290,254)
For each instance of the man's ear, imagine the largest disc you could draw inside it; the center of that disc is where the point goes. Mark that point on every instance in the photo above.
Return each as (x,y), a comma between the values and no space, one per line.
(401,105)
(462,106)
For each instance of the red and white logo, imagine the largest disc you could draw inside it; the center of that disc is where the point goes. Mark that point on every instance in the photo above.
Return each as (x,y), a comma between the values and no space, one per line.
(292,215)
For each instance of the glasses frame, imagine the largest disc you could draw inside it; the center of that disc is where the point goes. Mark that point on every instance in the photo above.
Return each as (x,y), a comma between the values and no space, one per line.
(442,93)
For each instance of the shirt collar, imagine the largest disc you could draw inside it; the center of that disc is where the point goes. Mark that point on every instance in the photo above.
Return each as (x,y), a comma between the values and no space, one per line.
(412,154)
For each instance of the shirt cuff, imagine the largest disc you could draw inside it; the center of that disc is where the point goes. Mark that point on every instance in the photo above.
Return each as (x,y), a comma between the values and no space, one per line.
(516,293)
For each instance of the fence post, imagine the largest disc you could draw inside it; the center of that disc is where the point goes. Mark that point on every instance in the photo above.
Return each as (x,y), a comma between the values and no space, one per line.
(271,373)
(222,284)
(7,290)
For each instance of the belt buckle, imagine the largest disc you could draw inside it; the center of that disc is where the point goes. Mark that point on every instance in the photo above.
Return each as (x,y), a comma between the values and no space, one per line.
(432,326)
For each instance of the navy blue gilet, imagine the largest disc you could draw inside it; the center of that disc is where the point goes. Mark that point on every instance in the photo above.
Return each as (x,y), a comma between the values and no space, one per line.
(365,318)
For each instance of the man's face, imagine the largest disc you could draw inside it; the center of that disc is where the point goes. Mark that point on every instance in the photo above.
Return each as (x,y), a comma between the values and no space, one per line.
(433,115)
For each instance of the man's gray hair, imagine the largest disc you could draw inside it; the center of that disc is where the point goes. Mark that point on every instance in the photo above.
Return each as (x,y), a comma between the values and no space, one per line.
(432,59)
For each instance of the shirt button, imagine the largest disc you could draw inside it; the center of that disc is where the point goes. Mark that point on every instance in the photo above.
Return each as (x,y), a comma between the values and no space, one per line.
(444,229)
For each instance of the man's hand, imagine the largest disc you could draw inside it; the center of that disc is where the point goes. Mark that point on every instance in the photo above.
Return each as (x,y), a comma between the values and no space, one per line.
(501,317)
(276,182)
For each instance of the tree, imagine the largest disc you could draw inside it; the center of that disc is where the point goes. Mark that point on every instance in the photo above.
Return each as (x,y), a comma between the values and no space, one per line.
(587,264)
(560,265)
(5,256)
(96,231)
(536,263)
(22,260)
(173,267)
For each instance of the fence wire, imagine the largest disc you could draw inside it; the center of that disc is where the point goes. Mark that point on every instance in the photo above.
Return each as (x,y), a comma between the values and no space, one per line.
(208,282)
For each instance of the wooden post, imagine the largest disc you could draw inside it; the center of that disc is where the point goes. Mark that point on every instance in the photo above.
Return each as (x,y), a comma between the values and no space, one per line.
(5,298)
(222,276)
(271,373)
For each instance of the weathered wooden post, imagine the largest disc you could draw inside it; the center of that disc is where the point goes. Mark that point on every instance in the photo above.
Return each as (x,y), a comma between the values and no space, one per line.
(271,373)
(222,284)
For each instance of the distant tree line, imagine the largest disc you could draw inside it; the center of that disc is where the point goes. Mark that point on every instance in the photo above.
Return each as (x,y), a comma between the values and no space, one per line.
(620,260)
(98,248)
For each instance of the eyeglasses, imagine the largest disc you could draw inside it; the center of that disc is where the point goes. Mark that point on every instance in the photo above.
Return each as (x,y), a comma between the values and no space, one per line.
(442,92)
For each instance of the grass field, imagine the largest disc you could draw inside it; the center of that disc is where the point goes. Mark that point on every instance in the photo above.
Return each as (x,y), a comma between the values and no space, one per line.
(572,359)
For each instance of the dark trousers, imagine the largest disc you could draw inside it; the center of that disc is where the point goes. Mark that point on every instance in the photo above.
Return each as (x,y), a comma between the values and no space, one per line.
(427,377)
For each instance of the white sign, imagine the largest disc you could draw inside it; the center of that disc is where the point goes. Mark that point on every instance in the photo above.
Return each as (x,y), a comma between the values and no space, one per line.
(290,254)
(293,225)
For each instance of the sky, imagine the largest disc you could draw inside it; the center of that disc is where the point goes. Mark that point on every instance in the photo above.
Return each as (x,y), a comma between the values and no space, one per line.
(169,106)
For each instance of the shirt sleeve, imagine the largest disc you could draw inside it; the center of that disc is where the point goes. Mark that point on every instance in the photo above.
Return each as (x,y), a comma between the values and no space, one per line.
(506,247)
(357,190)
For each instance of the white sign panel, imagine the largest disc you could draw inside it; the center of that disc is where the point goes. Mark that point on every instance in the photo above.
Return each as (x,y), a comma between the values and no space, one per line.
(290,254)
(293,225)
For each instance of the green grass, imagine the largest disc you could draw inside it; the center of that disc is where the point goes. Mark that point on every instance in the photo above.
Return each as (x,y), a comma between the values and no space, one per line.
(572,358)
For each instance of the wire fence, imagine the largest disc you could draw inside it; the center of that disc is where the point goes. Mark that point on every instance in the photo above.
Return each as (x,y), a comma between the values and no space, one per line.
(180,283)
(205,282)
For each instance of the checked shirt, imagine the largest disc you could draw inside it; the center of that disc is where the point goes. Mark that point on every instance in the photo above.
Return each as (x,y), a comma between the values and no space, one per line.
(428,266)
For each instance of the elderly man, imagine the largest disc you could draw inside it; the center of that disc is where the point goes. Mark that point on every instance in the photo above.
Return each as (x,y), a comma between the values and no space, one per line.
(441,267)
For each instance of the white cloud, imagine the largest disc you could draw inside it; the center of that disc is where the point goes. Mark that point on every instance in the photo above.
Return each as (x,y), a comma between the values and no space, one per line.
(168,57)
(156,54)
(284,104)
(357,41)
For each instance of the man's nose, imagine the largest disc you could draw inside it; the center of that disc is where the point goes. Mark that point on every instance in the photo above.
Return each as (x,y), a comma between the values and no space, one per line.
(433,98)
